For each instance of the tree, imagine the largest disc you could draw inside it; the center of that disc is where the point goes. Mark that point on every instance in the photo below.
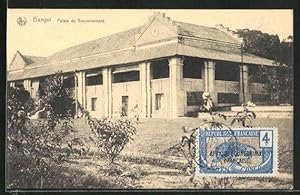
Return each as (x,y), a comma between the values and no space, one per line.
(286,70)
(279,81)
(261,44)
(57,96)
(112,135)
(37,149)
(19,99)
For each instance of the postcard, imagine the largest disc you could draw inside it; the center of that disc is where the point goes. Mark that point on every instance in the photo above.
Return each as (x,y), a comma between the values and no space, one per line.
(149,99)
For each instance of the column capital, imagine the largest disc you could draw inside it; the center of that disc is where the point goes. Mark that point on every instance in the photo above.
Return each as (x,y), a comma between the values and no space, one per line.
(210,64)
(176,61)
(77,72)
(144,63)
(244,68)
(105,69)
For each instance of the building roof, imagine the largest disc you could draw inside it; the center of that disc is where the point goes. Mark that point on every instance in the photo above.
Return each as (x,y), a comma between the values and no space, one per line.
(204,32)
(110,43)
(16,75)
(19,61)
(121,48)
(32,59)
(18,64)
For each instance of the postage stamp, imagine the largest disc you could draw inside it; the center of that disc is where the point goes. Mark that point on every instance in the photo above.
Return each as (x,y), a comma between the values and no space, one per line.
(243,152)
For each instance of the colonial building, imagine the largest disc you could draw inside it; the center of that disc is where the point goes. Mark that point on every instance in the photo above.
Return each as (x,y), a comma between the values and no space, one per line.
(160,69)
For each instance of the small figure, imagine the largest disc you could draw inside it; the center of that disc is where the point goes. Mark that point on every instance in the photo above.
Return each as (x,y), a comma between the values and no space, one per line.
(207,102)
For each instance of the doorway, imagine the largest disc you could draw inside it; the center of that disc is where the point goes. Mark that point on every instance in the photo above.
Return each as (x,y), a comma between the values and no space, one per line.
(124,105)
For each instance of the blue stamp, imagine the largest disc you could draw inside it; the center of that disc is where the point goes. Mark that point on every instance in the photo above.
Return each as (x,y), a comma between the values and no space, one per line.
(243,152)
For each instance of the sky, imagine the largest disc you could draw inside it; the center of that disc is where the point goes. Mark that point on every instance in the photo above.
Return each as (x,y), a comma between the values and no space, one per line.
(41,37)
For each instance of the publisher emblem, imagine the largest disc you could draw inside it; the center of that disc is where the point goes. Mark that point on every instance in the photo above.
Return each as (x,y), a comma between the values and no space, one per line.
(21,21)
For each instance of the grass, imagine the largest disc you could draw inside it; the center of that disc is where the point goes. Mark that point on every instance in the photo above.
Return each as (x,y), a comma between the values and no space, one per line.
(163,136)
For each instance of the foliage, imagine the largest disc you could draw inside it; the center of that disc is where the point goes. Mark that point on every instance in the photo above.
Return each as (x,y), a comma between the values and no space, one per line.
(261,44)
(57,96)
(19,99)
(37,149)
(244,116)
(112,134)
(279,81)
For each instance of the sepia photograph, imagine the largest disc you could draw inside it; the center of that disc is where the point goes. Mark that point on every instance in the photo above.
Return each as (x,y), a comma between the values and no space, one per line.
(149,99)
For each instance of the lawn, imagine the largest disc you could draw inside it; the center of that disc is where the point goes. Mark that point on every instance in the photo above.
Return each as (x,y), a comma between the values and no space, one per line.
(152,159)
(163,136)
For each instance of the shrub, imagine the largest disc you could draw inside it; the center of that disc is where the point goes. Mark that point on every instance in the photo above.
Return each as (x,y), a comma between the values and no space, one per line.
(37,149)
(112,134)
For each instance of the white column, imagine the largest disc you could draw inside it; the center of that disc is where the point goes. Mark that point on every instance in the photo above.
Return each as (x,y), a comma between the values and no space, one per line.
(79,88)
(83,90)
(244,84)
(205,76)
(210,67)
(76,94)
(149,90)
(107,84)
(211,80)
(27,85)
(145,89)
(110,92)
(176,87)
(12,84)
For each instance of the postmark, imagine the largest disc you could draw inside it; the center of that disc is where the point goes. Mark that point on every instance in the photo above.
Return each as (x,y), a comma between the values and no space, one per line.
(242,152)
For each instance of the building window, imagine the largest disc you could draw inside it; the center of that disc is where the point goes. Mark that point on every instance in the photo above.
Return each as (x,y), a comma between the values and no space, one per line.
(93,104)
(227,71)
(261,98)
(160,69)
(192,67)
(94,80)
(158,101)
(126,76)
(69,82)
(194,98)
(228,98)
(125,100)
